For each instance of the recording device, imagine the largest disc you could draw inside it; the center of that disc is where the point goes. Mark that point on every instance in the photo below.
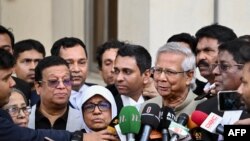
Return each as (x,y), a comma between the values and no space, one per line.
(178,130)
(198,117)
(229,100)
(150,118)
(211,122)
(167,115)
(129,122)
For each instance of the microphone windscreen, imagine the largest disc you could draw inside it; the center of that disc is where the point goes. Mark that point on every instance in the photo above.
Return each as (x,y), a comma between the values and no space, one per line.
(191,124)
(198,117)
(129,120)
(183,119)
(167,115)
(151,115)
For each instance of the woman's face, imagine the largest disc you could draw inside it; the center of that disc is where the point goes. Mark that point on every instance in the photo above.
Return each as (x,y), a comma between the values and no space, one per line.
(17,109)
(97,113)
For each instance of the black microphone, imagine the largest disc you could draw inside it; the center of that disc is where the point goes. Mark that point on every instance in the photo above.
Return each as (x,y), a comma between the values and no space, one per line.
(182,120)
(150,118)
(167,115)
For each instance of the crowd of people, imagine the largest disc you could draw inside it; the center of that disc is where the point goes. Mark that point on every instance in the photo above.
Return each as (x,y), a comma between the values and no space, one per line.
(47,97)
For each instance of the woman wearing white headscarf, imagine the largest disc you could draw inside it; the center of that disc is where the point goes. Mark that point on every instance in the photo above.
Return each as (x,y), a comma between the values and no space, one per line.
(98,108)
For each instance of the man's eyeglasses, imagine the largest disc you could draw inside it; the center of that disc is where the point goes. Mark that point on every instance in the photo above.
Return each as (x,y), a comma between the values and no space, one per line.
(224,67)
(158,71)
(14,111)
(102,106)
(55,83)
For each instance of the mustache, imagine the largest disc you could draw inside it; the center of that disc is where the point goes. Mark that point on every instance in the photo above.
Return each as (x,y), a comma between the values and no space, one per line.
(203,62)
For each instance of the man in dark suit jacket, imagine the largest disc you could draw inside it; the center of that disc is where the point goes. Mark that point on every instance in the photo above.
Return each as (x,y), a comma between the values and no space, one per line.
(132,73)
(208,39)
(228,72)
(8,130)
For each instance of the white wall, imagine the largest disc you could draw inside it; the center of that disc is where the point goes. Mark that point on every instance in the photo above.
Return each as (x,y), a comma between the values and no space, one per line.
(134,21)
(146,22)
(28,19)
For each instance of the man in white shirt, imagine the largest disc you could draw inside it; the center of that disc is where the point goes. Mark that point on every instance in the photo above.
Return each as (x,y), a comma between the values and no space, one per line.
(73,50)
(132,73)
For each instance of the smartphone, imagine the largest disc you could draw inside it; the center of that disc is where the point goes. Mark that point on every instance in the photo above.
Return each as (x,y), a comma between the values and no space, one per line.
(229,100)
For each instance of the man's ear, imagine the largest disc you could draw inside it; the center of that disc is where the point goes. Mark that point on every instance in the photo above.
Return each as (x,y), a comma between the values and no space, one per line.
(189,76)
(38,87)
(147,75)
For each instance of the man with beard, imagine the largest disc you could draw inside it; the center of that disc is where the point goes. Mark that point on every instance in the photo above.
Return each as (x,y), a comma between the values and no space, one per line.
(208,40)
(244,89)
(74,51)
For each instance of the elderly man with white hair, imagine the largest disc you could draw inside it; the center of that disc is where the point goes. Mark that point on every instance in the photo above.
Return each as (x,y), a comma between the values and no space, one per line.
(173,74)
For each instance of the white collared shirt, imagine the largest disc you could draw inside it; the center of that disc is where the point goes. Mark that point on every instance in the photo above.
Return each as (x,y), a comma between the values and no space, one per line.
(207,87)
(75,96)
(127,101)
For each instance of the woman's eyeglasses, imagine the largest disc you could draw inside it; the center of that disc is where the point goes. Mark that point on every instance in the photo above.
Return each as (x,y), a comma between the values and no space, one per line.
(102,106)
(15,111)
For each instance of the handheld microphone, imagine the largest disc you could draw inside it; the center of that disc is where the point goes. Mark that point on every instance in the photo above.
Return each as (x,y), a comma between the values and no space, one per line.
(198,117)
(177,129)
(167,115)
(150,118)
(129,122)
(211,122)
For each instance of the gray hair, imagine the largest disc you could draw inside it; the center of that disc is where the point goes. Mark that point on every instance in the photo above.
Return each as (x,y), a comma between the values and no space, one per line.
(21,93)
(188,62)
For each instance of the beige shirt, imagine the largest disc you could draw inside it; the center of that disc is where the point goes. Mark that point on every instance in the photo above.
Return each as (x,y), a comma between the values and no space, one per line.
(188,105)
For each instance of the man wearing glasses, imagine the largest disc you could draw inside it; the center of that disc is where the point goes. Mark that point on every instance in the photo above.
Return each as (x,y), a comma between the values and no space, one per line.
(53,85)
(173,74)
(74,51)
(8,130)
(228,72)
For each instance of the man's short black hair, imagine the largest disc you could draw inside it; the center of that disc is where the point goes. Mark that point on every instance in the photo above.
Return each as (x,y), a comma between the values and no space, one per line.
(115,44)
(7,61)
(216,31)
(46,63)
(66,42)
(186,38)
(26,45)
(4,30)
(141,55)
